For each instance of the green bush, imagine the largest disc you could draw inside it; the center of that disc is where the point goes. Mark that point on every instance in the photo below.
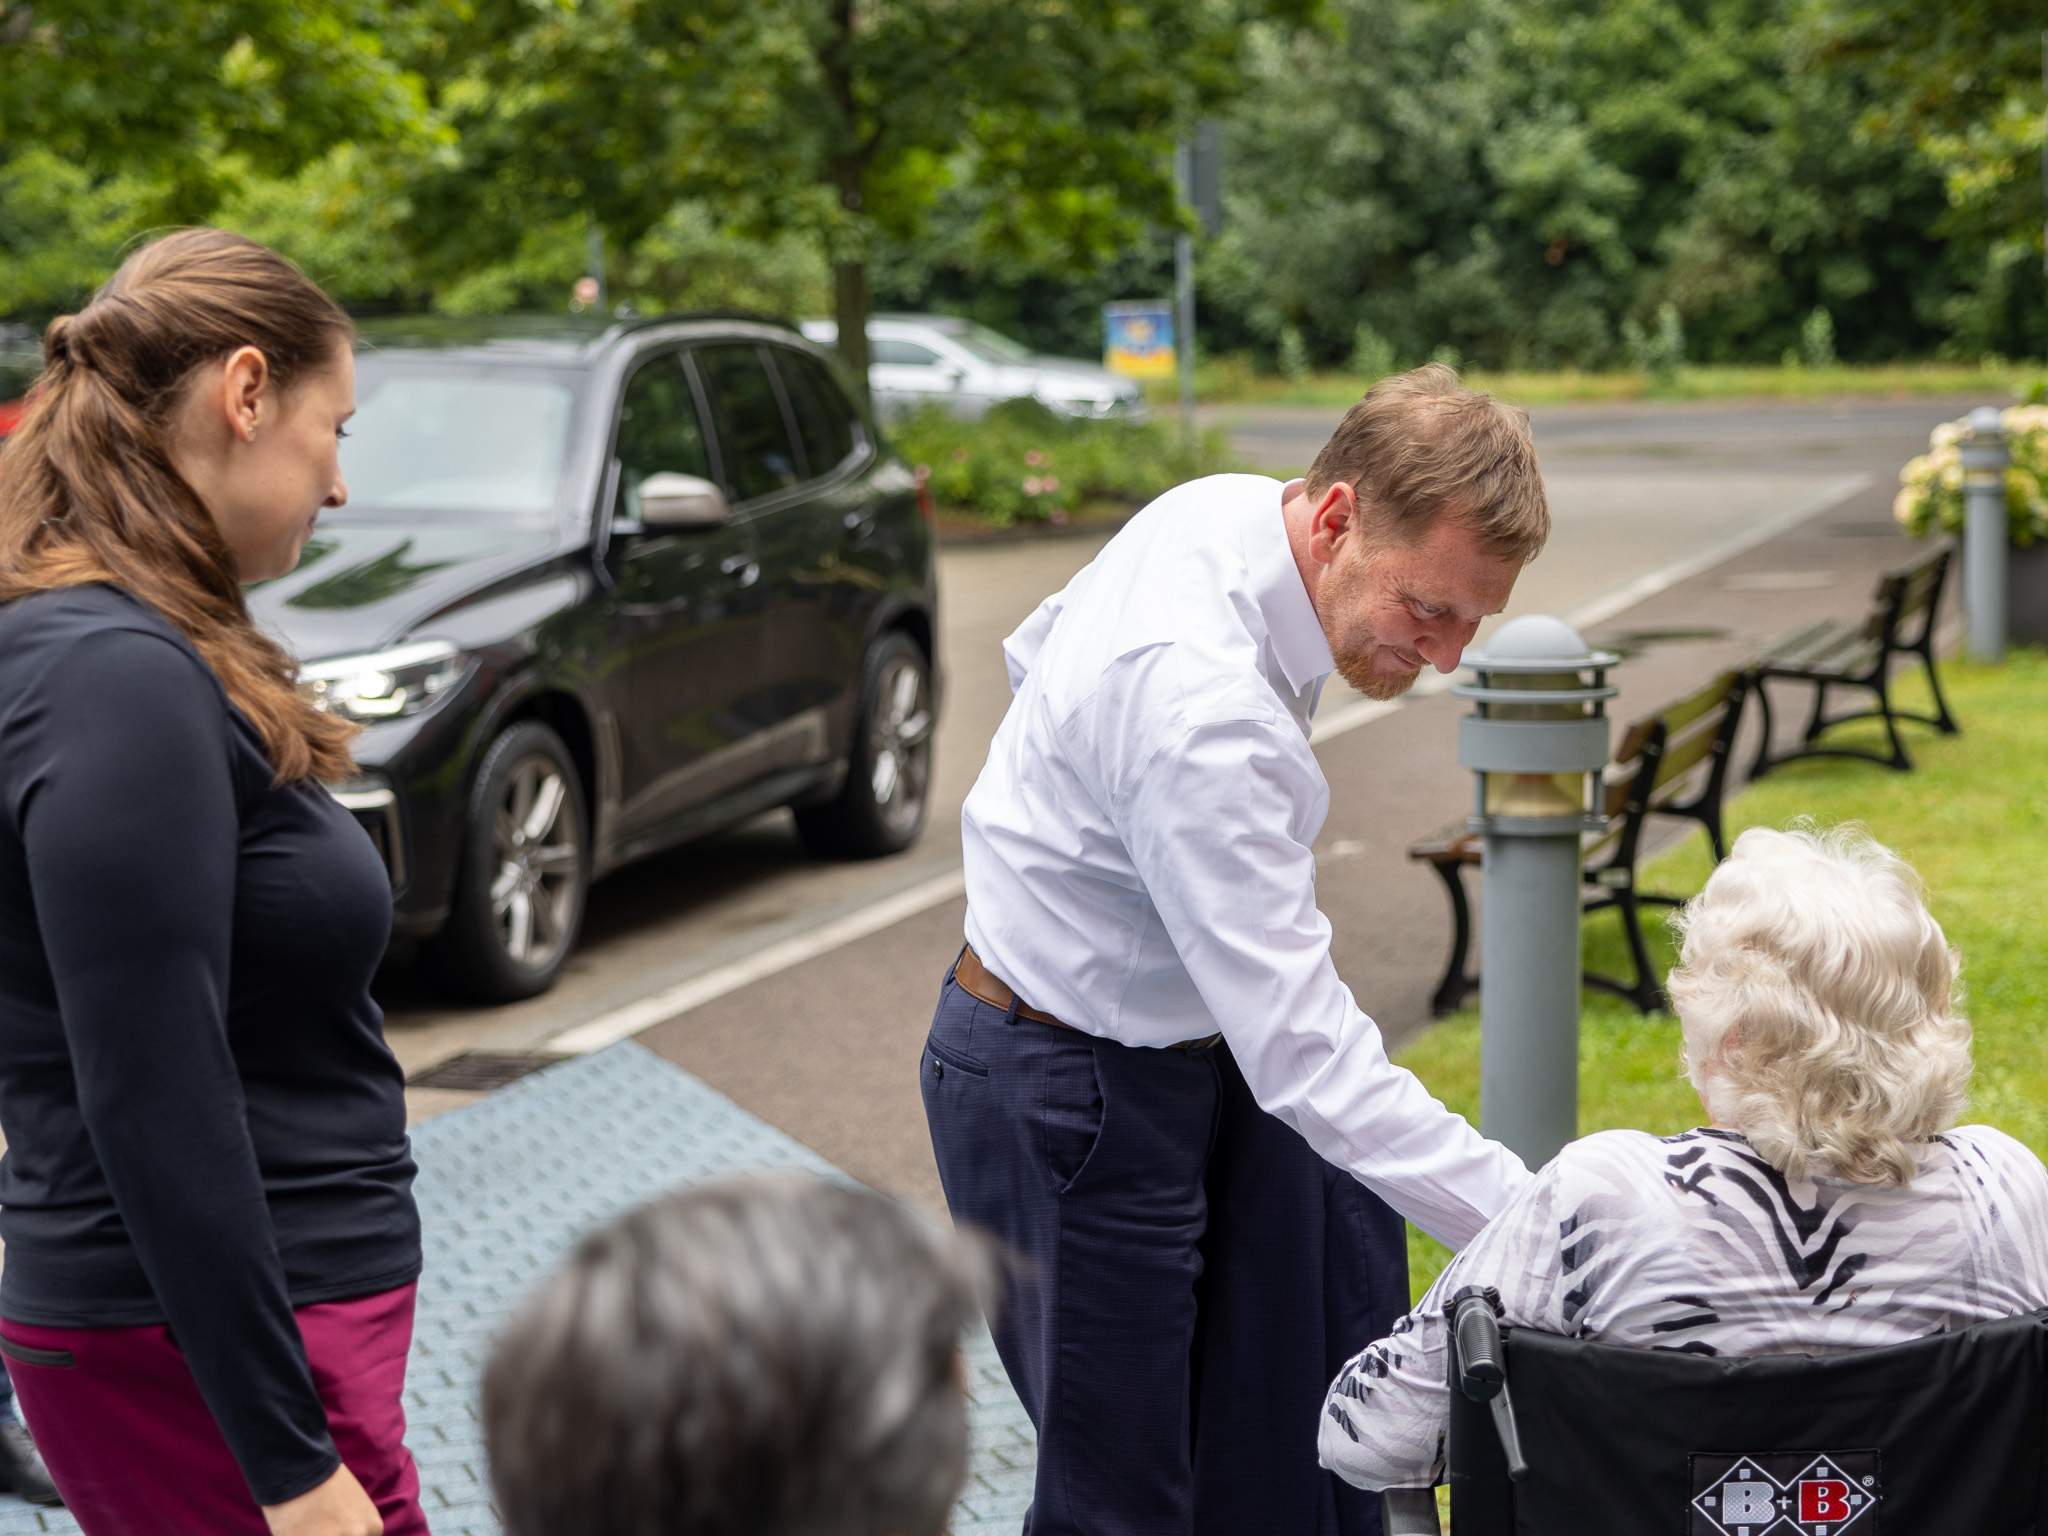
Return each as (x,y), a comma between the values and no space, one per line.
(1024,463)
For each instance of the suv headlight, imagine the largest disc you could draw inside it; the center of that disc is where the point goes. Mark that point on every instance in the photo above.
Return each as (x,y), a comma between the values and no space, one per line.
(385,685)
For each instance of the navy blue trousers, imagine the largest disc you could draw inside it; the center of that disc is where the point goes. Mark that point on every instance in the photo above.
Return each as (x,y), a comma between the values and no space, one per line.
(1191,1276)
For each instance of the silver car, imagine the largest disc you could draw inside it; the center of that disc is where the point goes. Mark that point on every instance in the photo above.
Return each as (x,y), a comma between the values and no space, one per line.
(915,359)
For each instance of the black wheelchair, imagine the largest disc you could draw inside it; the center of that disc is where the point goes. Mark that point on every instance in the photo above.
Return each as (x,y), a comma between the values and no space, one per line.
(1945,1436)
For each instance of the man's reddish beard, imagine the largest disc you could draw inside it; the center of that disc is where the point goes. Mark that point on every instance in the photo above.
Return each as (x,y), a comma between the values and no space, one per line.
(1357,669)
(1356,663)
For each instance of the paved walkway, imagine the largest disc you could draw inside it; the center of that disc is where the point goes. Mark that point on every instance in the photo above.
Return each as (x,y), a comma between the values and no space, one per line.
(507,1185)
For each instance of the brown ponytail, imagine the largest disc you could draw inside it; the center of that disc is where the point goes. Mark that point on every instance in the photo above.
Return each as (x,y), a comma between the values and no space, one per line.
(87,488)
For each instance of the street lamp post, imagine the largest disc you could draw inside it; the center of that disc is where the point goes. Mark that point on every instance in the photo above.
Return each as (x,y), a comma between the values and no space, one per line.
(1984,459)
(1537,741)
(1198,176)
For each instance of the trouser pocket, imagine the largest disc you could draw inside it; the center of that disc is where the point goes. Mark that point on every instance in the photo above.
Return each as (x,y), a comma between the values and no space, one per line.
(1072,1117)
(27,1354)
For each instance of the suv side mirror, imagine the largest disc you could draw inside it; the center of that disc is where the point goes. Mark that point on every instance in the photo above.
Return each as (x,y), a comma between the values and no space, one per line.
(669,500)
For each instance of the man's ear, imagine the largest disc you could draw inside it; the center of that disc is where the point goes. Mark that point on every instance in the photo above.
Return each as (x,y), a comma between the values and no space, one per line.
(1334,519)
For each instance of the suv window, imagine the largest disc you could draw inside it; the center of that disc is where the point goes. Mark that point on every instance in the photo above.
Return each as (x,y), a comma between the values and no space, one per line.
(659,430)
(824,417)
(753,433)
(906,353)
(452,442)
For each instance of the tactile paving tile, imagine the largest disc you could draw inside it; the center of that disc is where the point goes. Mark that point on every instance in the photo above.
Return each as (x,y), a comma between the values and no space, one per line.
(507,1184)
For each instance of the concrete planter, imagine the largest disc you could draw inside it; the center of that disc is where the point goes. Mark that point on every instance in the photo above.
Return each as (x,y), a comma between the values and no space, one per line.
(2026,594)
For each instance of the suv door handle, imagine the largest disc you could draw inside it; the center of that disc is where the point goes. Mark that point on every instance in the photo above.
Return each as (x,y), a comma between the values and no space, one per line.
(744,568)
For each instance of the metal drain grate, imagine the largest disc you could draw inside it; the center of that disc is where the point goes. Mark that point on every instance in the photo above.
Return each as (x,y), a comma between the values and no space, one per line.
(481,1071)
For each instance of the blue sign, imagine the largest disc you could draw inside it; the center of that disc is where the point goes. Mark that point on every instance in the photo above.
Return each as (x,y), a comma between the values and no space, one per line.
(1137,339)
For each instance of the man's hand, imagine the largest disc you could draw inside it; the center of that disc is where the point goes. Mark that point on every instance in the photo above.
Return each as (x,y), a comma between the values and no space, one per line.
(338,1507)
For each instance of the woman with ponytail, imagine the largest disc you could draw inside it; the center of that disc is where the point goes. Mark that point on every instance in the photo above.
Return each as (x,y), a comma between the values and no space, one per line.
(207,1195)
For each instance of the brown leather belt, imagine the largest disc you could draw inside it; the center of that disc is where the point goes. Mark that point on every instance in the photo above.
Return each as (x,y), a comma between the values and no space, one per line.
(983,985)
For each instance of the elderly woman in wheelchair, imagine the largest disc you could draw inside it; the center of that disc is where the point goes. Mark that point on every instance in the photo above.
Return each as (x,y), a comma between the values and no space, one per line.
(1830,1205)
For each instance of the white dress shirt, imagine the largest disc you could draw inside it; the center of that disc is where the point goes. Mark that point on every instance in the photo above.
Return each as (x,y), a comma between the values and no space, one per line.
(1137,847)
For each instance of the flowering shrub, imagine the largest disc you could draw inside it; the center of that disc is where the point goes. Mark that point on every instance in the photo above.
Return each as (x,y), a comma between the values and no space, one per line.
(1023,463)
(1931,486)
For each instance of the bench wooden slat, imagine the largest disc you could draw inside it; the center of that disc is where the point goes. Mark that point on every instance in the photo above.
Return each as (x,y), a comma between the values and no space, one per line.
(1843,665)
(1687,710)
(1683,753)
(1828,643)
(1456,842)
(1921,582)
(1633,740)
(1615,788)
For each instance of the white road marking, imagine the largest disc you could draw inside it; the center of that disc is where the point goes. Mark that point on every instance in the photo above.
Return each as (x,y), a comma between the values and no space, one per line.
(1608,604)
(610,1028)
(1349,717)
(671,1002)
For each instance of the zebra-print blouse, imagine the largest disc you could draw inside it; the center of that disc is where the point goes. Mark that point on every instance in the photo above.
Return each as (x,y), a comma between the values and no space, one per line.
(1694,1242)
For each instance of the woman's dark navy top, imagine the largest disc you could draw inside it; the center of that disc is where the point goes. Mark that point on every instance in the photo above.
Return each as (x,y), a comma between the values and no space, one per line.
(204,1125)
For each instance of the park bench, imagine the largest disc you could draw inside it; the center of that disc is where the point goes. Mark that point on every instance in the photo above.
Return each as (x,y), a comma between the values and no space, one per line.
(1846,653)
(1671,763)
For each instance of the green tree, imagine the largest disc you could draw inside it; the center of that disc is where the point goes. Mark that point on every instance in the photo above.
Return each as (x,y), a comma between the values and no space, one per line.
(1519,179)
(843,121)
(189,91)
(1947,66)
(1963,83)
(116,117)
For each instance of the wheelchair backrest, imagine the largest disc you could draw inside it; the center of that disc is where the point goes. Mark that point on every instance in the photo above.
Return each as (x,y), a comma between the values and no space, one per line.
(1945,1434)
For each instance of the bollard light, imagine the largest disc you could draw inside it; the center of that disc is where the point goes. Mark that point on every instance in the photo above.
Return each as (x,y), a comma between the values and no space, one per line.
(1984,458)
(1537,742)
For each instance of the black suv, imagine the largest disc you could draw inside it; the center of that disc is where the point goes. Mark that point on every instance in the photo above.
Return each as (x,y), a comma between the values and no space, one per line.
(599,588)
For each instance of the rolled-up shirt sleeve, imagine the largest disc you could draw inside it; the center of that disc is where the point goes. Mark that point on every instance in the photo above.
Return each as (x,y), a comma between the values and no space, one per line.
(1217,828)
(131,833)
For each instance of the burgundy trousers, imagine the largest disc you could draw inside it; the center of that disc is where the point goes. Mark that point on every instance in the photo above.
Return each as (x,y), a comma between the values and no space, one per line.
(135,1451)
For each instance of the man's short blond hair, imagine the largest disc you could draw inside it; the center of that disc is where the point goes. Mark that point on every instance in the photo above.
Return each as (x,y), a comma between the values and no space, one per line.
(1818,1001)
(1421,446)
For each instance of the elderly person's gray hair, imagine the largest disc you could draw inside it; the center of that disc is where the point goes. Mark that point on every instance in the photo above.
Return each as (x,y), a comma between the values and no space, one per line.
(1818,999)
(773,1356)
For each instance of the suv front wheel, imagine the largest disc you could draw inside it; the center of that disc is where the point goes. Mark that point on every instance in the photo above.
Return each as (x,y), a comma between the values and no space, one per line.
(889,773)
(525,870)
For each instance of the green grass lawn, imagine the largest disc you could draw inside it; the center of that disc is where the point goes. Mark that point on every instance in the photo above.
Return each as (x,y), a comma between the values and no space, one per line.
(1231,380)
(1972,818)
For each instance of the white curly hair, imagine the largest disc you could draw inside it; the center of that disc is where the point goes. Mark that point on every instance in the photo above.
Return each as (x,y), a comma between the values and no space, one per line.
(1820,1006)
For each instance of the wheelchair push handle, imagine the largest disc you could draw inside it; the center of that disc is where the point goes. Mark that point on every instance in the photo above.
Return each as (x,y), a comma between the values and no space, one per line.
(1481,1368)
(1475,1320)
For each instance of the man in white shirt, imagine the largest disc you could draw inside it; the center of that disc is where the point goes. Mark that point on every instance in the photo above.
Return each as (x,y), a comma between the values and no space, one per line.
(1144,1056)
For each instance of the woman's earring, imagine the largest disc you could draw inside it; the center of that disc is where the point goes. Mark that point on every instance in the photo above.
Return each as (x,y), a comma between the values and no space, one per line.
(251,432)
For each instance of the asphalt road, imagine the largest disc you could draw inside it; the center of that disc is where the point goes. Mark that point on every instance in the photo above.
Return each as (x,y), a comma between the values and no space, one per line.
(1687,534)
